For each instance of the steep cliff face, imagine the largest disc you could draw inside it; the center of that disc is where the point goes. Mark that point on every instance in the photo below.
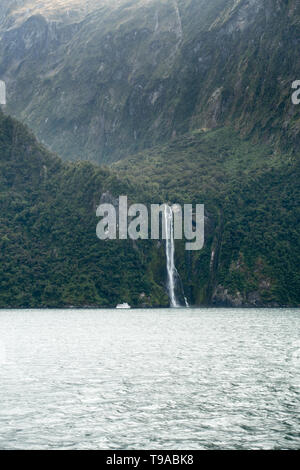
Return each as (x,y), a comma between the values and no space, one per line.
(249,68)
(132,74)
(80,87)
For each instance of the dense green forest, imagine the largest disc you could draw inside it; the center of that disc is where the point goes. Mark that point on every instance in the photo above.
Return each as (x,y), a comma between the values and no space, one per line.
(51,257)
(178,101)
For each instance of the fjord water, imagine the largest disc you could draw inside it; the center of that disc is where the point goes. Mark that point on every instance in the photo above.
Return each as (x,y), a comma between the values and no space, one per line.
(149,379)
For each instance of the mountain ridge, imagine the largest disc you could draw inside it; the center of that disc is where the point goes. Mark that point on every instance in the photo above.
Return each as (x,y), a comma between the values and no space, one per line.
(124,79)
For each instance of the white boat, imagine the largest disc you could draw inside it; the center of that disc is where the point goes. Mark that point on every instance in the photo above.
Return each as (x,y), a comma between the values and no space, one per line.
(123,306)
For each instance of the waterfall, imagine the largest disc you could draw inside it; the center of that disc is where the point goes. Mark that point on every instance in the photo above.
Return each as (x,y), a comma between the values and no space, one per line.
(170,256)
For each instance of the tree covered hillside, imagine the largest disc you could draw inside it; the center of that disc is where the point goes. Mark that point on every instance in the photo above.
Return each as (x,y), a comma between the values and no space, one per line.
(50,255)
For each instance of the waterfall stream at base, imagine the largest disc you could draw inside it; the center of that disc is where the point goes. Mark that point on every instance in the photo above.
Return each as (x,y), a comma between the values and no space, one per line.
(170,258)
(170,254)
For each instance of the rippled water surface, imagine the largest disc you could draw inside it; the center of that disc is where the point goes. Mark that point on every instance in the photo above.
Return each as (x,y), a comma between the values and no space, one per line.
(149,379)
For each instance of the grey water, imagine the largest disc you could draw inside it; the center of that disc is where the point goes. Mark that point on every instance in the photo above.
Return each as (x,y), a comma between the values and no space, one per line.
(149,379)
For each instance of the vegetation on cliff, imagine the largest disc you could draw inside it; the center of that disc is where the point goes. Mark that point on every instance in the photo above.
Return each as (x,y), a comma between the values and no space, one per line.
(50,255)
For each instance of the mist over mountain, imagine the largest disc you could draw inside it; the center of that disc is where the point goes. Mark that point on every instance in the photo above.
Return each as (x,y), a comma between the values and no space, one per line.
(105,82)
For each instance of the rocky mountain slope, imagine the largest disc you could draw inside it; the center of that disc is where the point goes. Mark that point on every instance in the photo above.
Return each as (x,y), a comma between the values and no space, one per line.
(132,74)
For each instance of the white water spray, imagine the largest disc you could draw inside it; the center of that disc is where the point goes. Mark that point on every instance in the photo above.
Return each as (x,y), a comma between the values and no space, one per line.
(170,256)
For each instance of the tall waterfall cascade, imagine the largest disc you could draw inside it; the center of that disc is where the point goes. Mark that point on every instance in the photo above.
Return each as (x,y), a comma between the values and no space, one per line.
(170,258)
